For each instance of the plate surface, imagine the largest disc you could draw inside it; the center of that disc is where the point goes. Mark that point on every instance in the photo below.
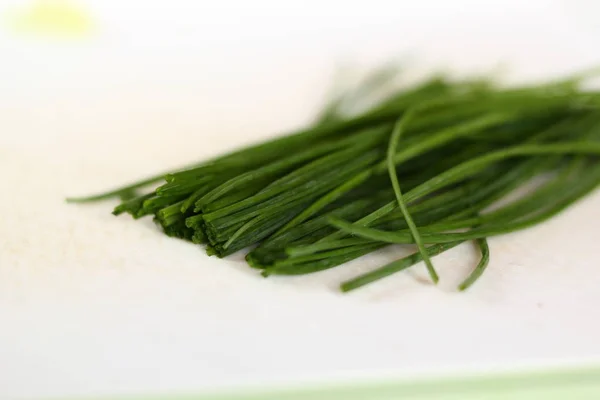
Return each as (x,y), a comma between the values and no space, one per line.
(92,304)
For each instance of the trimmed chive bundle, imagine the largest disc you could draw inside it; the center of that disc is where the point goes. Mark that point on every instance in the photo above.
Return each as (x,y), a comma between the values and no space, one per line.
(331,193)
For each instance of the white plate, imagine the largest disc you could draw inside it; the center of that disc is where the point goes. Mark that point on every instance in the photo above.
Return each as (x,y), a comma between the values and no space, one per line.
(93,304)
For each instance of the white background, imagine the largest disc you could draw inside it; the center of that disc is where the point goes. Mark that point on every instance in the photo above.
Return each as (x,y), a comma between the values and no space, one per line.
(92,304)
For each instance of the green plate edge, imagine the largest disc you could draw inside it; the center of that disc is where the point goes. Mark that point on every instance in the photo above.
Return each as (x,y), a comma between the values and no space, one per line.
(576,383)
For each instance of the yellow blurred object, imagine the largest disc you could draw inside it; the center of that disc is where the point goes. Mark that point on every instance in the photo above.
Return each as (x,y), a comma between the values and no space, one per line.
(50,18)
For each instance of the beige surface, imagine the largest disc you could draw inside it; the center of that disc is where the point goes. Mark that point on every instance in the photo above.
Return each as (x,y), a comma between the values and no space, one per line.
(90,303)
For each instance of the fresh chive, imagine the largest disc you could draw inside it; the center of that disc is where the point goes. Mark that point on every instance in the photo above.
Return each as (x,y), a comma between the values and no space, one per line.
(582,188)
(395,266)
(395,138)
(478,271)
(429,164)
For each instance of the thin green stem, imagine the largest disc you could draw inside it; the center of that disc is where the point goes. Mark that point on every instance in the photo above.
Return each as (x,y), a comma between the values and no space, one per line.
(481,266)
(394,140)
(395,266)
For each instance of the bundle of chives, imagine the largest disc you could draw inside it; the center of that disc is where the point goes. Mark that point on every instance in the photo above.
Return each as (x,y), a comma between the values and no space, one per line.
(331,193)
